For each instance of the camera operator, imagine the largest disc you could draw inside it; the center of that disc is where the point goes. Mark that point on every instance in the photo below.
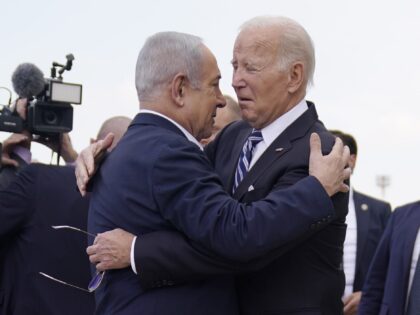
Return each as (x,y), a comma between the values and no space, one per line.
(16,152)
(39,197)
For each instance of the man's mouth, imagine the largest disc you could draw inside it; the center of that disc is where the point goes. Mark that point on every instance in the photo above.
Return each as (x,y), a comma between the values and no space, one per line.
(244,99)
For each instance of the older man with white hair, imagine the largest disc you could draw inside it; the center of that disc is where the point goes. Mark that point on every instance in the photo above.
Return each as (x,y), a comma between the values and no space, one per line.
(273,63)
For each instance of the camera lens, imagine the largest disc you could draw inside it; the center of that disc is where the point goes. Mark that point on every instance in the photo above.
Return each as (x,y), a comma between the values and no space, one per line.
(50,117)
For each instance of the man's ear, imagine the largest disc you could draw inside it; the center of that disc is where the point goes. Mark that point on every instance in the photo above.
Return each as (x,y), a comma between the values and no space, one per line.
(296,77)
(352,161)
(178,87)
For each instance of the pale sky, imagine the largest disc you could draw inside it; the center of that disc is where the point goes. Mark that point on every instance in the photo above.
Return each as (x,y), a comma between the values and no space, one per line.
(366,79)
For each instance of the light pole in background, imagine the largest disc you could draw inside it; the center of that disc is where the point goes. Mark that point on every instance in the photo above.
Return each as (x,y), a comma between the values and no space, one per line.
(383,181)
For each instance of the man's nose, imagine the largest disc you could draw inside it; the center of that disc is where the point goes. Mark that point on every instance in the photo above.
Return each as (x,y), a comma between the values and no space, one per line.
(237,79)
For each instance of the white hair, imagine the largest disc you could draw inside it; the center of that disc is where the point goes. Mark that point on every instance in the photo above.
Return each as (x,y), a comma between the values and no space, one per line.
(295,43)
(163,56)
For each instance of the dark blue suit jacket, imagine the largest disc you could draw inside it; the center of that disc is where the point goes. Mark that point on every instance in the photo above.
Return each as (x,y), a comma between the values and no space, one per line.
(385,290)
(308,278)
(41,196)
(371,215)
(155,179)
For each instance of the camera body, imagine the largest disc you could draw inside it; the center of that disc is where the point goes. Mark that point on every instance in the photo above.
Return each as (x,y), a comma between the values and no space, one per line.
(50,112)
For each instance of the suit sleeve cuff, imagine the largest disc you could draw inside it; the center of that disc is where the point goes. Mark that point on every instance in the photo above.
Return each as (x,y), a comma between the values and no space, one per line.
(133,262)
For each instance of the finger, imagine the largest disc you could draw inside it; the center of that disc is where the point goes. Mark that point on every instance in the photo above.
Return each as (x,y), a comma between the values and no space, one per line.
(17,138)
(79,178)
(315,145)
(347,300)
(348,308)
(8,161)
(346,155)
(338,147)
(97,239)
(87,158)
(107,141)
(91,250)
(344,188)
(102,266)
(94,259)
(346,173)
(81,167)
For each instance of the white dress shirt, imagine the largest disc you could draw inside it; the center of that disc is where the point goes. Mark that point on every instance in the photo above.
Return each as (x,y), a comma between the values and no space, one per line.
(350,246)
(414,258)
(273,130)
(191,138)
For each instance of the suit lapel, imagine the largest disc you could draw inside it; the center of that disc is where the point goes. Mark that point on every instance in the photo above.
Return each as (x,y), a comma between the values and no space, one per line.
(363,214)
(408,243)
(280,146)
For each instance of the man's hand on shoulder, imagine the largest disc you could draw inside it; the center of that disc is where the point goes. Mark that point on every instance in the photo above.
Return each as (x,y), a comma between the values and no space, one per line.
(330,170)
(111,250)
(88,160)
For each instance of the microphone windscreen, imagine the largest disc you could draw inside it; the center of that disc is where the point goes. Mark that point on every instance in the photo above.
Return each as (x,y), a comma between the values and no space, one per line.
(28,80)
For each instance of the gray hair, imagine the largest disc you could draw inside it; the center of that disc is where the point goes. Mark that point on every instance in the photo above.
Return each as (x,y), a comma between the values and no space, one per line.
(295,42)
(163,56)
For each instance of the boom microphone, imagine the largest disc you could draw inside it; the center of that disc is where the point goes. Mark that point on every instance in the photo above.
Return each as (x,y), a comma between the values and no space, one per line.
(28,80)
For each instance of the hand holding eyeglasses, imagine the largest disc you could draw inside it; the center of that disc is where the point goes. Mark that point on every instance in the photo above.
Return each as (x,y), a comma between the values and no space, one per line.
(111,250)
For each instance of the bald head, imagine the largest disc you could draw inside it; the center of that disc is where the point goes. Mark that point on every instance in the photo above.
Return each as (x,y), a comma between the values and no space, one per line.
(117,125)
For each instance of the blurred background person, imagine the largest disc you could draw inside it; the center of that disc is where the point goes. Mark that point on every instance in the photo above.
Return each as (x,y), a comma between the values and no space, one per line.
(366,221)
(392,285)
(42,196)
(225,115)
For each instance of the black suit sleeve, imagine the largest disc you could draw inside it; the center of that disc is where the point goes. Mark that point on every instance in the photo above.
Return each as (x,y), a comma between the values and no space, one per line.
(171,257)
(374,286)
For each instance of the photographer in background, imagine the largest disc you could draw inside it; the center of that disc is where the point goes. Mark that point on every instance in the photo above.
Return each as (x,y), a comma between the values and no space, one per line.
(40,197)
(16,151)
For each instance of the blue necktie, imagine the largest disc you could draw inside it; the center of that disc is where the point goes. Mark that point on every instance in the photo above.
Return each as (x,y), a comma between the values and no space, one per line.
(413,307)
(246,155)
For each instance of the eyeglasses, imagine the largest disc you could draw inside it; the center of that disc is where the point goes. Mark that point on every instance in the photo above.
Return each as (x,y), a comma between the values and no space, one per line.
(96,280)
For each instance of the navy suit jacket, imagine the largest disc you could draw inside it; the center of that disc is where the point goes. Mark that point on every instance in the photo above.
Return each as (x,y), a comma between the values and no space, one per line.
(41,196)
(8,173)
(371,215)
(385,289)
(155,179)
(308,278)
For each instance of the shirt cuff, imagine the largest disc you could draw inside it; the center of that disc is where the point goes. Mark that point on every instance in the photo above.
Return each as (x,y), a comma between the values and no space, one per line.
(133,263)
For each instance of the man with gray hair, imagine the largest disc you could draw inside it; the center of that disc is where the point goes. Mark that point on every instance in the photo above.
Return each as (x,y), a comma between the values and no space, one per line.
(159,179)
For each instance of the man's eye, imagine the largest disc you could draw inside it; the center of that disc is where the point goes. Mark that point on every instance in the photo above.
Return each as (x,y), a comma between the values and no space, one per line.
(251,68)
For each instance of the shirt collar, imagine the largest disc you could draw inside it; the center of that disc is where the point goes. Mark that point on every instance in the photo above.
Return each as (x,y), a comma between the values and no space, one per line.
(273,130)
(189,136)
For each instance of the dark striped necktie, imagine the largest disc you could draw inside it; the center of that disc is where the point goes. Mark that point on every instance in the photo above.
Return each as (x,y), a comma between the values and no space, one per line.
(246,155)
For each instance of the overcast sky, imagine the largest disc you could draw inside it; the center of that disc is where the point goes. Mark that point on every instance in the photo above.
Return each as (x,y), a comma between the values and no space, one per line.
(366,79)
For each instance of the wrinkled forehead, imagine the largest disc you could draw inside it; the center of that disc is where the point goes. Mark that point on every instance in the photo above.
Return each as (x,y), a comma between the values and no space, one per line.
(257,41)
